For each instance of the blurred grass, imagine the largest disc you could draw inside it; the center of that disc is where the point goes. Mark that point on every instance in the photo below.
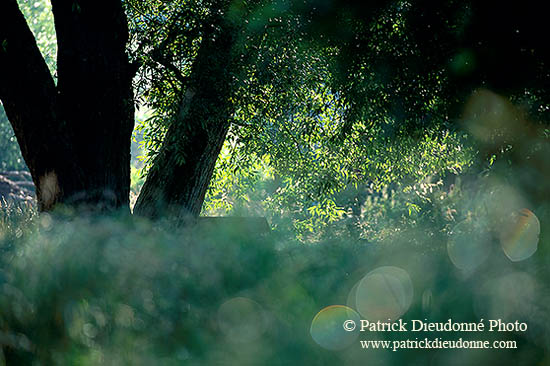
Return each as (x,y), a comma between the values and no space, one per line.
(121,290)
(16,219)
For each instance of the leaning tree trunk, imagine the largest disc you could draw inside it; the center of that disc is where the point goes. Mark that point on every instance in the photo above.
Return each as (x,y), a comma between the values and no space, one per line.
(74,137)
(177,183)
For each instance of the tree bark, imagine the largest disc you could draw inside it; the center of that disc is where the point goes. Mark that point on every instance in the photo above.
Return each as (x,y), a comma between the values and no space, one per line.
(74,137)
(181,173)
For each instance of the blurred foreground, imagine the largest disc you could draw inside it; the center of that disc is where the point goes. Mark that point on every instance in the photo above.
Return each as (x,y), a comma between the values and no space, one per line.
(120,290)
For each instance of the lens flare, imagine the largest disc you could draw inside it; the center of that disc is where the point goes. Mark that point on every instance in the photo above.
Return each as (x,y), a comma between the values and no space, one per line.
(241,320)
(469,245)
(327,327)
(384,293)
(520,237)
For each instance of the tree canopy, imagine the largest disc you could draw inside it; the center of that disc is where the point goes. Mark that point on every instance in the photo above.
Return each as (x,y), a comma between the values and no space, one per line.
(312,97)
(325,96)
(406,140)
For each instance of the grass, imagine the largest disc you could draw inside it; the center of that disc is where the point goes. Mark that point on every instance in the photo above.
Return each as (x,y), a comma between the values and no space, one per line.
(121,290)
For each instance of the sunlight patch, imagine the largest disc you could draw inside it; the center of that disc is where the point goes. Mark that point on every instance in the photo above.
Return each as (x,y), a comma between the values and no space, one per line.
(49,189)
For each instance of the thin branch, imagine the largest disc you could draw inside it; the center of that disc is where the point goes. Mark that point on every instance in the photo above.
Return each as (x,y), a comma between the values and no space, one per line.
(171,67)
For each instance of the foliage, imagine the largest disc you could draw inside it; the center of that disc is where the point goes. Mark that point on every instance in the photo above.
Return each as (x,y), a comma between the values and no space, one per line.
(123,290)
(317,108)
(308,119)
(11,158)
(341,136)
(272,186)
(16,219)
(40,20)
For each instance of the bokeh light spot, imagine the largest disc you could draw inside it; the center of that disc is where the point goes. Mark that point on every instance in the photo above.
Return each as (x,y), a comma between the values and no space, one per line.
(384,293)
(327,327)
(519,238)
(46,221)
(469,245)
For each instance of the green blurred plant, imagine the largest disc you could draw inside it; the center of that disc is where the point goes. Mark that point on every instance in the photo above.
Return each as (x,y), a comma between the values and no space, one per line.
(121,290)
(11,158)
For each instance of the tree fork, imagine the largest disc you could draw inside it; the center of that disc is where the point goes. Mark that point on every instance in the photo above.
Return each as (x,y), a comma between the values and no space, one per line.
(94,93)
(28,94)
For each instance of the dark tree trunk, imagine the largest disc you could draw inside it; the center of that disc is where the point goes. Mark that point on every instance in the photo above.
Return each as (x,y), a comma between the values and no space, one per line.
(74,137)
(181,173)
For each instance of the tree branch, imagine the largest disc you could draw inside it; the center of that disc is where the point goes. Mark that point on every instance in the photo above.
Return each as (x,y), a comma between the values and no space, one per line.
(93,67)
(27,89)
(173,68)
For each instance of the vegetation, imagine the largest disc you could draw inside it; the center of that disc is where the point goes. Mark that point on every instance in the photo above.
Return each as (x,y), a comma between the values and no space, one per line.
(11,155)
(398,150)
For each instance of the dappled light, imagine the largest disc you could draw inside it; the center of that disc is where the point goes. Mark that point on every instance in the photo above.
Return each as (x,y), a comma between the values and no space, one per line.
(274,183)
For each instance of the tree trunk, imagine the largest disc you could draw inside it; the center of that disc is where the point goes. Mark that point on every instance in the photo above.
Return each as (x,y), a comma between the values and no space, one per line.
(74,137)
(181,173)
